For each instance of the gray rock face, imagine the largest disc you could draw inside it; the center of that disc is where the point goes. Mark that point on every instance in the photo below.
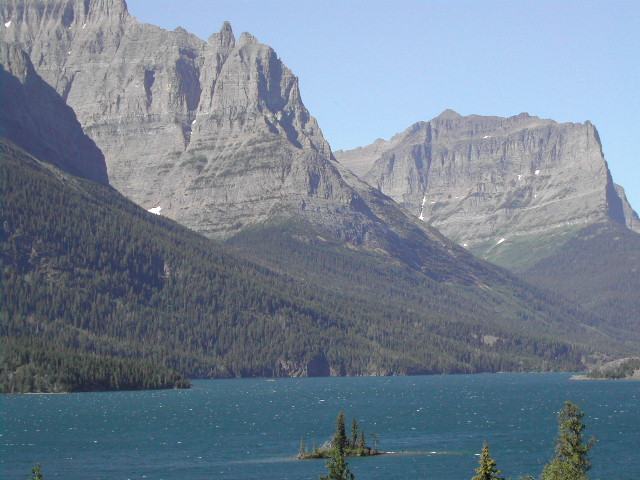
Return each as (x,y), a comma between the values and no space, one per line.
(34,117)
(193,127)
(212,134)
(485,181)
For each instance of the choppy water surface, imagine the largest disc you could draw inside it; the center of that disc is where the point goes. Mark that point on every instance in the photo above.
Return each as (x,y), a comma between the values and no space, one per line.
(251,429)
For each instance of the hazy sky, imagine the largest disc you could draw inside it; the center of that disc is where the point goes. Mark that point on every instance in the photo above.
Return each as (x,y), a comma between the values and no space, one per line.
(370,68)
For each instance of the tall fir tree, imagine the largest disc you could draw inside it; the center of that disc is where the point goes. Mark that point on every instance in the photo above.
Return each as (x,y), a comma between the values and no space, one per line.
(354,432)
(487,469)
(571,460)
(337,465)
(303,448)
(362,443)
(341,433)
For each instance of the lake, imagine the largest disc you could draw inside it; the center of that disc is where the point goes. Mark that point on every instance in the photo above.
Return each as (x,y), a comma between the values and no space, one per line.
(251,428)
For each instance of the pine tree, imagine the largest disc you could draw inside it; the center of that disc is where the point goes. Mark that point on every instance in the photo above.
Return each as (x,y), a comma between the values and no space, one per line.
(363,440)
(374,435)
(341,435)
(354,433)
(571,460)
(487,469)
(337,466)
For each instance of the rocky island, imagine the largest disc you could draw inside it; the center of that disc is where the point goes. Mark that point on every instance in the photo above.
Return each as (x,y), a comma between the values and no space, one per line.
(356,446)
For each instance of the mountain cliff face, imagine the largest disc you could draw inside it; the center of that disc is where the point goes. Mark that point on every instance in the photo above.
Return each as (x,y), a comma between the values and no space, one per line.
(37,119)
(488,182)
(212,134)
(531,195)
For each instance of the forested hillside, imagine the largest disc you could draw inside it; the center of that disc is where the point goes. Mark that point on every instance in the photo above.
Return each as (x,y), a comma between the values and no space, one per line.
(85,271)
(599,269)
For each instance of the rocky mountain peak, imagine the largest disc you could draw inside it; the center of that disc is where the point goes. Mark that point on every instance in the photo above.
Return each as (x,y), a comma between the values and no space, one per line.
(215,135)
(247,39)
(448,114)
(113,9)
(224,39)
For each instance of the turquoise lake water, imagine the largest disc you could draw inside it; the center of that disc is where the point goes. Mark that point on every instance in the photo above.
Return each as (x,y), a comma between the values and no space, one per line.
(251,429)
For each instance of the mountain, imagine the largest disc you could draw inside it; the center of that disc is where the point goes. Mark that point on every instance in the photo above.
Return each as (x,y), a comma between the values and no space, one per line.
(532,195)
(90,279)
(320,274)
(100,294)
(213,134)
(41,122)
(488,181)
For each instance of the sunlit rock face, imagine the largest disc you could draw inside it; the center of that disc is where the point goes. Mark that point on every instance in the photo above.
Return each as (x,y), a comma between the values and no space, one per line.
(485,181)
(213,132)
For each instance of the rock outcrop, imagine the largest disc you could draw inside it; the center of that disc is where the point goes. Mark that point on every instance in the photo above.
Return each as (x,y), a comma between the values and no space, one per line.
(35,118)
(488,181)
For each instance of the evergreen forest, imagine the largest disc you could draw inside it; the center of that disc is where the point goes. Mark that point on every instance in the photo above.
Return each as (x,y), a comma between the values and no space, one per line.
(99,294)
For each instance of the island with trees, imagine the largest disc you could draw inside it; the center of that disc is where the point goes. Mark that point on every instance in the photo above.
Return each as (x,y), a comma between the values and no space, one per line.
(570,462)
(353,446)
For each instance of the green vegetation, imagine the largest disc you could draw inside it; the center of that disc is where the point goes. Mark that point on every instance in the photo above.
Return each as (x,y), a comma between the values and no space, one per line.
(36,474)
(616,370)
(581,271)
(519,253)
(571,461)
(487,469)
(337,466)
(356,446)
(37,365)
(89,275)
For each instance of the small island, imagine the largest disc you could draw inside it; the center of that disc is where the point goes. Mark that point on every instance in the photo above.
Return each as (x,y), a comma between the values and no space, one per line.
(356,446)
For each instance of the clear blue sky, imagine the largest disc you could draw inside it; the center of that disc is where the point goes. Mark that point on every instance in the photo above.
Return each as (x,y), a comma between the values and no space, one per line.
(370,68)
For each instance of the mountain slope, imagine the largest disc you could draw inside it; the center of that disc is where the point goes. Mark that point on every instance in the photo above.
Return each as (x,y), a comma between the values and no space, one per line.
(322,273)
(84,270)
(90,277)
(522,192)
(37,119)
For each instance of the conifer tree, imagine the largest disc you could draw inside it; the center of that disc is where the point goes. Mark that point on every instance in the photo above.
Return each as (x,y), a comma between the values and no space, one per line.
(354,433)
(337,465)
(341,435)
(571,460)
(374,435)
(487,469)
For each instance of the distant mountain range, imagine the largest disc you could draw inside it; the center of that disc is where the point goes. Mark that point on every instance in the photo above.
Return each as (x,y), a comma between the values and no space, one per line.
(321,274)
